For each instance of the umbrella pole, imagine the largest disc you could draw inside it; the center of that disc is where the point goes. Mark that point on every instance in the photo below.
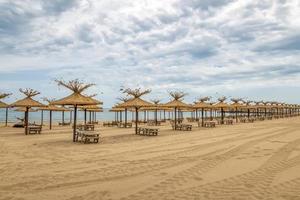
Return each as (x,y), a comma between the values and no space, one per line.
(156,117)
(136,120)
(236,115)
(6,116)
(63,117)
(175,118)
(222,116)
(84,116)
(42,117)
(50,119)
(125,117)
(26,121)
(90,117)
(71,116)
(202,112)
(74,126)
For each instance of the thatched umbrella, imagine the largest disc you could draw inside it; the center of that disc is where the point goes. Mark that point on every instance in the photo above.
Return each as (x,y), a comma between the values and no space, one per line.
(249,106)
(176,103)
(117,110)
(91,109)
(84,108)
(27,103)
(123,100)
(136,102)
(221,105)
(21,109)
(156,106)
(52,108)
(236,105)
(75,99)
(4,105)
(201,104)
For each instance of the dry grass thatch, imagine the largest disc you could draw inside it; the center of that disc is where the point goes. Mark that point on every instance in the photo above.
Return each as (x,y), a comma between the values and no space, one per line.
(155,101)
(222,99)
(29,92)
(177,95)
(74,85)
(4,95)
(136,93)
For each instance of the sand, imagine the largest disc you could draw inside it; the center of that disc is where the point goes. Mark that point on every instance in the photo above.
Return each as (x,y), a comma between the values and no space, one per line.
(240,161)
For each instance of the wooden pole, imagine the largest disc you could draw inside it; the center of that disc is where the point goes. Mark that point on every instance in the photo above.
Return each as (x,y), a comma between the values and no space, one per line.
(74,126)
(202,113)
(26,121)
(63,117)
(136,120)
(42,117)
(6,116)
(175,118)
(236,114)
(222,116)
(90,117)
(85,116)
(50,119)
(125,117)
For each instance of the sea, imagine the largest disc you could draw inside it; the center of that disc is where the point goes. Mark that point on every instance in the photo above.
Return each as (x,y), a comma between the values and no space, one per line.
(35,117)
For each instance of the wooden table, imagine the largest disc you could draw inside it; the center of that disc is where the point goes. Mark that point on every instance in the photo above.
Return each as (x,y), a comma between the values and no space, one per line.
(87,136)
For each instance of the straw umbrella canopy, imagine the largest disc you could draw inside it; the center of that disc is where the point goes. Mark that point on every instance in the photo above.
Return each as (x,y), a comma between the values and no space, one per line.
(236,105)
(222,105)
(22,109)
(27,103)
(4,105)
(75,99)
(202,104)
(123,100)
(176,103)
(156,106)
(91,109)
(52,108)
(135,102)
(85,108)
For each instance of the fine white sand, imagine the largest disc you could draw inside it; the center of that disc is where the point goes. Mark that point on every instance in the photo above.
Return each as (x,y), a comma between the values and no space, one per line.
(240,161)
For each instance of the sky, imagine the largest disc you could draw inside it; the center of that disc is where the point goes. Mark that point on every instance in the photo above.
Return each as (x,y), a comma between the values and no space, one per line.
(236,48)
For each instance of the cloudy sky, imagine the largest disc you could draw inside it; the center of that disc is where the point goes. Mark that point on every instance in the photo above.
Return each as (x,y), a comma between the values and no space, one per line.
(238,48)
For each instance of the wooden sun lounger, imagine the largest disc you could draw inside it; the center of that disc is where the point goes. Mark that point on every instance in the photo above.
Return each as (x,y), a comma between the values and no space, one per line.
(64,124)
(34,129)
(87,136)
(228,121)
(210,124)
(148,131)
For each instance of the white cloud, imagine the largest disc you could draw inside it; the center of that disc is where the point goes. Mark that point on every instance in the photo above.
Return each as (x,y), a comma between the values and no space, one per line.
(219,45)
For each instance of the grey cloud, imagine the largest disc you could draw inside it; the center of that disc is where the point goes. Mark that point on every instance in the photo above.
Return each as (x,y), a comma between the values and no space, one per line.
(58,6)
(14,19)
(287,43)
(205,4)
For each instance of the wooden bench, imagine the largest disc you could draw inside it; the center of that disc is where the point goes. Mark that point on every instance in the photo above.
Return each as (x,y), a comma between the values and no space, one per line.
(110,124)
(210,124)
(153,123)
(123,125)
(34,129)
(147,131)
(64,123)
(243,120)
(228,121)
(186,127)
(87,136)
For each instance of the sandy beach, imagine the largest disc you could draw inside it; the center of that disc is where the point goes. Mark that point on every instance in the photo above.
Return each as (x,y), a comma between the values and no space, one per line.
(240,161)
